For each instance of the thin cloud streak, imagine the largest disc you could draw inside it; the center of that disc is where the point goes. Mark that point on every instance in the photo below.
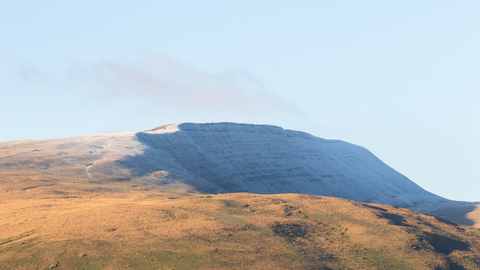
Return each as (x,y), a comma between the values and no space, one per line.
(174,83)
(31,74)
(24,72)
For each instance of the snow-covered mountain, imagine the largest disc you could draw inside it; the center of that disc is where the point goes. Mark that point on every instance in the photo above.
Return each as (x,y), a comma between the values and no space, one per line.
(222,157)
(268,159)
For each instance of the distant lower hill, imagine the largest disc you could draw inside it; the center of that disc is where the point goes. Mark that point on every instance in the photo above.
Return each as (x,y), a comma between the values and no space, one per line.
(218,158)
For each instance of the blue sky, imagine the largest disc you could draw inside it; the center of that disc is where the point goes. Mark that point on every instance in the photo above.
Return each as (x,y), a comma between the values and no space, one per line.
(399,78)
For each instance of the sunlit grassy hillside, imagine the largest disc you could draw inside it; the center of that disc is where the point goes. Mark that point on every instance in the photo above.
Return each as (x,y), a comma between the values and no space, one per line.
(137,227)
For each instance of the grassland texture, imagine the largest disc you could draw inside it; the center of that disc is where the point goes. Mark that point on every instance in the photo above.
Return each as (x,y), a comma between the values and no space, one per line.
(142,229)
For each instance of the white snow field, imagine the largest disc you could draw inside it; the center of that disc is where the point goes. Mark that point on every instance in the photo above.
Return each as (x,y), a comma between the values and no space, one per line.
(229,157)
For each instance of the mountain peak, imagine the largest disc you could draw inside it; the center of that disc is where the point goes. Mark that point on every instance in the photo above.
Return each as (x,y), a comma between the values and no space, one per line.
(235,157)
(214,126)
(220,158)
(228,157)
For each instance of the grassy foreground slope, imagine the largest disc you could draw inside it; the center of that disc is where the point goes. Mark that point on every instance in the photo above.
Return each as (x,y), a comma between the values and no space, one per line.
(137,227)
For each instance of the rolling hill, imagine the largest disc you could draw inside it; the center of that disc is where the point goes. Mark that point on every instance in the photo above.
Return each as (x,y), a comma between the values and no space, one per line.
(154,229)
(223,158)
(221,196)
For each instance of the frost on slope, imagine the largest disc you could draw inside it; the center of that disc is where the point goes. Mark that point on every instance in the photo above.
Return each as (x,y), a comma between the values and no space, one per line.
(230,157)
(220,157)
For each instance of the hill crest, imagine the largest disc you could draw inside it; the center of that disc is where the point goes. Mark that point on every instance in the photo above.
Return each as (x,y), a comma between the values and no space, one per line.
(219,158)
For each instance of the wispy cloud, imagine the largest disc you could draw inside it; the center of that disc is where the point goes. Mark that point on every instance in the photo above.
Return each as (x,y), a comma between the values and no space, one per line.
(170,82)
(31,74)
(24,71)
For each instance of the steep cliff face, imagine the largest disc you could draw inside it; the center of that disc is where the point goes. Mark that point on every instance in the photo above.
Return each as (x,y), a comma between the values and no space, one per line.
(268,159)
(218,158)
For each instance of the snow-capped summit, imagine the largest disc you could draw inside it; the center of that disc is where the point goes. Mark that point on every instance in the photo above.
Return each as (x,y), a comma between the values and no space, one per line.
(233,157)
(220,157)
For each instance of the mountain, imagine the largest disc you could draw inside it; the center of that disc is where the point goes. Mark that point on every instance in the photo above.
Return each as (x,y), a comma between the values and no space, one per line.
(220,158)
(268,159)
(148,200)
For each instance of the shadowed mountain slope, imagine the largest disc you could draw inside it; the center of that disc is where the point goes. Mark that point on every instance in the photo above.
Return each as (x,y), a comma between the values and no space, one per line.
(219,158)
(269,159)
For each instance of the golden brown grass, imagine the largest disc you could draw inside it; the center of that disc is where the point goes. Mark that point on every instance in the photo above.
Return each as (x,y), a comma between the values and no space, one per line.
(117,226)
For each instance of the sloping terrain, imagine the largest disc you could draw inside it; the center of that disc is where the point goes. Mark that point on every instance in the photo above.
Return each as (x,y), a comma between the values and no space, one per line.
(220,158)
(269,159)
(143,228)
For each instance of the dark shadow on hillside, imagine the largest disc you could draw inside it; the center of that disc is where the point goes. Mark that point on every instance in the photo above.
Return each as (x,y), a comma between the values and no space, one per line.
(174,153)
(394,219)
(453,266)
(290,231)
(445,245)
(161,155)
(374,207)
